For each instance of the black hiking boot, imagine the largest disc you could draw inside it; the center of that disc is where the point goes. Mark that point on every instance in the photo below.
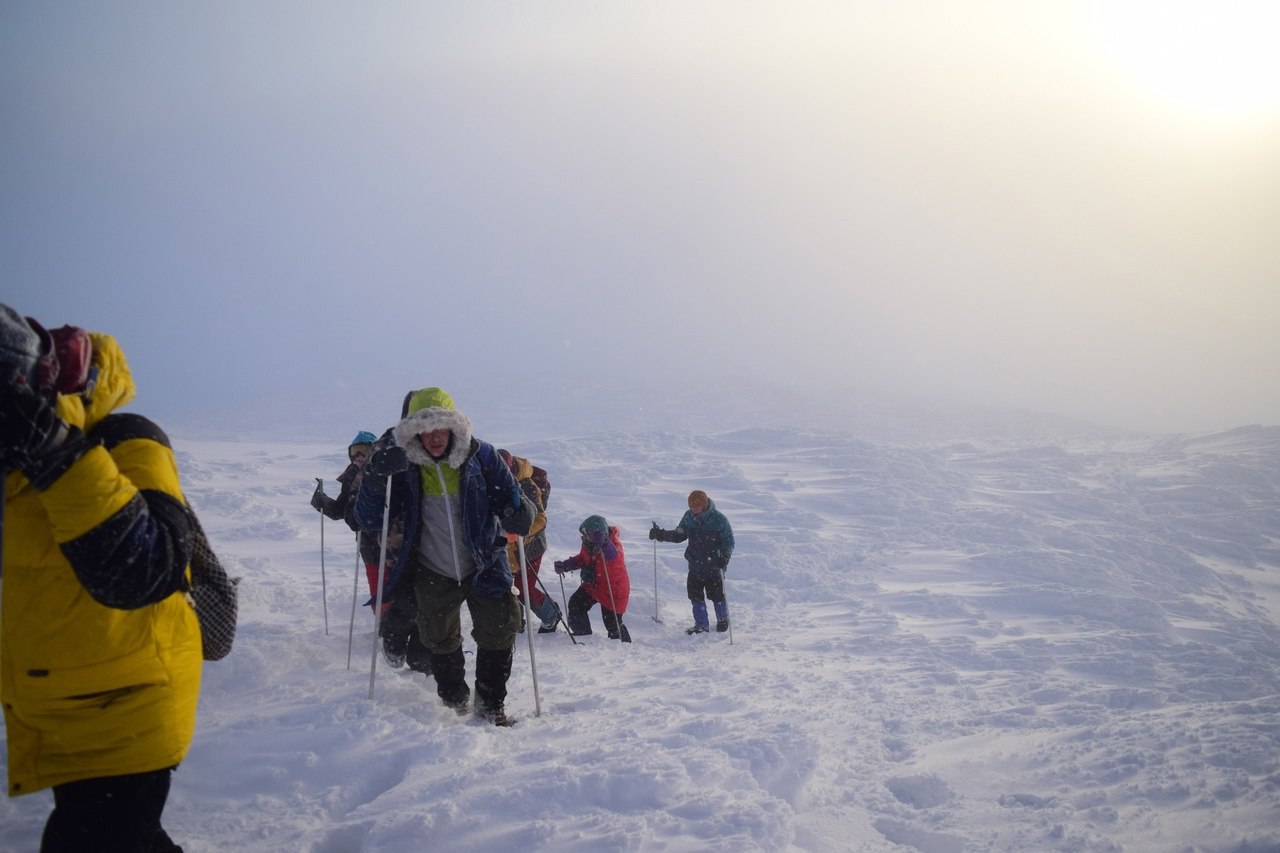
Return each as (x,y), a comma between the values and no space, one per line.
(697,629)
(722,625)
(394,649)
(496,717)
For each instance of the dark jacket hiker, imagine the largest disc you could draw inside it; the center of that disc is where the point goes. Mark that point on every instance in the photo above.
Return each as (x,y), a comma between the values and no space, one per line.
(710,546)
(453,501)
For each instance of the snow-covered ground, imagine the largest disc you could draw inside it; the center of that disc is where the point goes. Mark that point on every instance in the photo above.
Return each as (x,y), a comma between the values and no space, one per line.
(1014,642)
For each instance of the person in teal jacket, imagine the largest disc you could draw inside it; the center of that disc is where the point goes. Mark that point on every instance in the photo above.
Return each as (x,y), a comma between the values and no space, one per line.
(710,546)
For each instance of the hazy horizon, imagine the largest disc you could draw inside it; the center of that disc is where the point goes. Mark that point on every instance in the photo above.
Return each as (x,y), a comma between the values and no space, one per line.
(1051,206)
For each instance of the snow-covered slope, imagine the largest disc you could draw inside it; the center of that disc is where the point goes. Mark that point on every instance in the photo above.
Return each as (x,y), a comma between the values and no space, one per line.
(989,644)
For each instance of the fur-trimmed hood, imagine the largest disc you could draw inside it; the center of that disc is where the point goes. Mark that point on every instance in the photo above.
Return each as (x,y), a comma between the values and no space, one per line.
(408,434)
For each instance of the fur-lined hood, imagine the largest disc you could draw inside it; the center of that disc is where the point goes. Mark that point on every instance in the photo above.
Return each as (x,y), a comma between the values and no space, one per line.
(434,411)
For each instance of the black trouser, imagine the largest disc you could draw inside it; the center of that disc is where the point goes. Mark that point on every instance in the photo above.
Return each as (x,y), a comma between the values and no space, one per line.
(700,588)
(399,630)
(493,626)
(580,604)
(110,814)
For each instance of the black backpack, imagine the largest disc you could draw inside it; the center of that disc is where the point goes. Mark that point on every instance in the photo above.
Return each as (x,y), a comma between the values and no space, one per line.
(544,485)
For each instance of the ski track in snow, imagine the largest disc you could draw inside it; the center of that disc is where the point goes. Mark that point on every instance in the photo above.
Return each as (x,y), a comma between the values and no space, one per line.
(980,645)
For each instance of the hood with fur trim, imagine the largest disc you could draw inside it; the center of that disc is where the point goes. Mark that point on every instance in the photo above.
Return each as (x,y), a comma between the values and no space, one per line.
(408,433)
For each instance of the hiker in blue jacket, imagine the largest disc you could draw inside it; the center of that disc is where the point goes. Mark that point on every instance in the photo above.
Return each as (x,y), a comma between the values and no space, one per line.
(454,506)
(710,547)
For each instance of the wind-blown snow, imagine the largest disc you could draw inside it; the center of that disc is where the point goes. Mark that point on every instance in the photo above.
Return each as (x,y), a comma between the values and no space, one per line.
(1009,643)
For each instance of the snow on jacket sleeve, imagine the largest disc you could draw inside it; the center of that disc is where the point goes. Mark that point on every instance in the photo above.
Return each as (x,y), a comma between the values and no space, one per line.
(681,531)
(725,531)
(137,544)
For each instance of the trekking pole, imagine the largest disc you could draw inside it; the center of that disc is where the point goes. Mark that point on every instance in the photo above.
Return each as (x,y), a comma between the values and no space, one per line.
(528,630)
(613,605)
(324,593)
(355,585)
(382,573)
(655,581)
(566,607)
(724,591)
(560,616)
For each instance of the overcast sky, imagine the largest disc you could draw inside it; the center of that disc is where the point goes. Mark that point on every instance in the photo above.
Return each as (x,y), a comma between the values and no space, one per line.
(1051,205)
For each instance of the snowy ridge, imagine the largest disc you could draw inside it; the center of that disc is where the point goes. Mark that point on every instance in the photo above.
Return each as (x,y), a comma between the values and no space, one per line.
(982,645)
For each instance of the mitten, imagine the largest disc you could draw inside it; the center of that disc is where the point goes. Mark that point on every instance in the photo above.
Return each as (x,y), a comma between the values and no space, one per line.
(387,461)
(317,497)
(562,566)
(656,532)
(34,439)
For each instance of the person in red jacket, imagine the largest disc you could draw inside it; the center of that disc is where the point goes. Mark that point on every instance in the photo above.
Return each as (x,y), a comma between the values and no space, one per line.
(604,579)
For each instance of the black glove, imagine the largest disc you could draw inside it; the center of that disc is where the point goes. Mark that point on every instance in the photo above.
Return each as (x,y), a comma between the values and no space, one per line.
(387,461)
(318,496)
(656,532)
(34,439)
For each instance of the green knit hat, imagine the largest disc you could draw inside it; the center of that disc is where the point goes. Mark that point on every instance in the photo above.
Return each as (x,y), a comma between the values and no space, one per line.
(430,398)
(592,524)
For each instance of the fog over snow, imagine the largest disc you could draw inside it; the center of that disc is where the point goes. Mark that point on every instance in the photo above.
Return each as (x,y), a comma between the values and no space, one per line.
(953,631)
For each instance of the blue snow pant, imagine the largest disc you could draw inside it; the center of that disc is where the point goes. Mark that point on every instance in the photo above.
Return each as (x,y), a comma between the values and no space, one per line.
(702,588)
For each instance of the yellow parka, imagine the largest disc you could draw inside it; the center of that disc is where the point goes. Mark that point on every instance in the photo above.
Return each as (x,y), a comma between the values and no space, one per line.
(91,690)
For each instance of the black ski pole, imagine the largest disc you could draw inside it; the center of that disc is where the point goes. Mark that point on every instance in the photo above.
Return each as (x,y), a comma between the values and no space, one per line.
(613,604)
(382,573)
(566,606)
(355,585)
(655,580)
(559,616)
(724,592)
(528,631)
(324,592)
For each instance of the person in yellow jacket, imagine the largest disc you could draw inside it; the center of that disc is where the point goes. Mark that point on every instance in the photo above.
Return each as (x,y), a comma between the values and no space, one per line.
(535,545)
(100,650)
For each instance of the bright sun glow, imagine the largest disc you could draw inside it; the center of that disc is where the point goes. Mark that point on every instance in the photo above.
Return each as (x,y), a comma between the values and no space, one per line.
(1216,59)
